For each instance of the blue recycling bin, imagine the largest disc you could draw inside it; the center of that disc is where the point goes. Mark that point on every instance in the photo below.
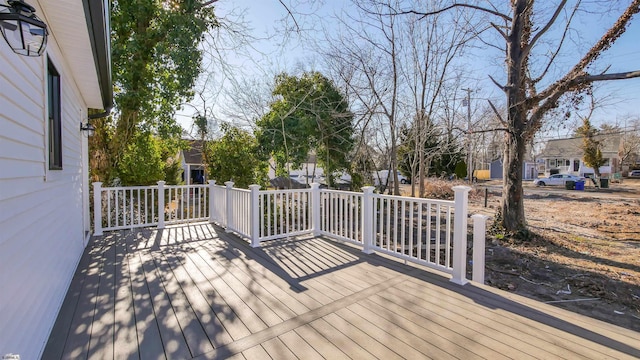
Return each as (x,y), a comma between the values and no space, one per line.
(580,185)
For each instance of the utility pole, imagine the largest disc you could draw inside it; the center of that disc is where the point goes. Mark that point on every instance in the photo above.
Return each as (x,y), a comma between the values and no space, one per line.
(469,158)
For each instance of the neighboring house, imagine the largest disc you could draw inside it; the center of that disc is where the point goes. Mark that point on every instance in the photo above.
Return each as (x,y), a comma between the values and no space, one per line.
(564,156)
(192,163)
(44,201)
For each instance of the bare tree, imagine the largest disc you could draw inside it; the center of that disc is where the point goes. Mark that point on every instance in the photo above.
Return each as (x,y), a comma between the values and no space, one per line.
(365,56)
(534,83)
(433,46)
(629,130)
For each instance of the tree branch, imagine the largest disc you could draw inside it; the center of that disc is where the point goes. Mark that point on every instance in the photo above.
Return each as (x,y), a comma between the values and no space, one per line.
(496,83)
(495,111)
(577,72)
(605,77)
(290,13)
(557,50)
(500,31)
(475,7)
(538,35)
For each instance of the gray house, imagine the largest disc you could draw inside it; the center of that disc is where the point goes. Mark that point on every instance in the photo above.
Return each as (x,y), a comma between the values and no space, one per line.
(529,170)
(192,163)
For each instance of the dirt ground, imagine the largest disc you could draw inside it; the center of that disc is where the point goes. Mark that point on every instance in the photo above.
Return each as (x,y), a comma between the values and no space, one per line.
(583,254)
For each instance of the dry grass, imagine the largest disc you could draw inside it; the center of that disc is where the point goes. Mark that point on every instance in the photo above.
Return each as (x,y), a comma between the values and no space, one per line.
(441,189)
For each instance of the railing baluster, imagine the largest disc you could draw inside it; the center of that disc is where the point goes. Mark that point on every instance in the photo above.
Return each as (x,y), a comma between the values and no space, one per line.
(429,232)
(402,225)
(438,221)
(108,207)
(97,208)
(131,207)
(448,239)
(419,229)
(410,225)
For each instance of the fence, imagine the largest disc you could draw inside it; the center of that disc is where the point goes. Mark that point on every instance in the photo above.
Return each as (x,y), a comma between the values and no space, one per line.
(429,232)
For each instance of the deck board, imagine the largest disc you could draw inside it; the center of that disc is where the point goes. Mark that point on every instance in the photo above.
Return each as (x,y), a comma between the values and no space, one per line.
(149,341)
(61,338)
(102,329)
(173,340)
(125,335)
(299,346)
(194,291)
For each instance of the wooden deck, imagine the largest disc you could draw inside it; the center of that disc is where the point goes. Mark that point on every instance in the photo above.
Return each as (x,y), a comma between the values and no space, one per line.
(198,292)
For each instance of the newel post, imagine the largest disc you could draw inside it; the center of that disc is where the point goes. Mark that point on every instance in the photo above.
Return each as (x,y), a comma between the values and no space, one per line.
(229,207)
(255,215)
(479,233)
(211,201)
(315,209)
(367,219)
(461,207)
(161,204)
(97,208)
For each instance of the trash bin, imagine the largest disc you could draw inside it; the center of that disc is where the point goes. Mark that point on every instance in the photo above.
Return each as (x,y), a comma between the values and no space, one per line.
(570,184)
(604,183)
(580,185)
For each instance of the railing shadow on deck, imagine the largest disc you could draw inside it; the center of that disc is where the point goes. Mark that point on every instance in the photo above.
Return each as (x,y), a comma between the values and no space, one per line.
(346,255)
(187,238)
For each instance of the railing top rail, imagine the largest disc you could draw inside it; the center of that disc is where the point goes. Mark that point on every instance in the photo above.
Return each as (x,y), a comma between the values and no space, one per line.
(415,199)
(107,188)
(284,191)
(334,191)
(143,187)
(186,186)
(240,190)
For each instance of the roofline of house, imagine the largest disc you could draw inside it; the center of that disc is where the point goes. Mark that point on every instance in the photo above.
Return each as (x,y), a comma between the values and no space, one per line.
(98,25)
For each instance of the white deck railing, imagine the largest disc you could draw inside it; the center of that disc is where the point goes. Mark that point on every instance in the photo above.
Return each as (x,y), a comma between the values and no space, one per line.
(144,206)
(429,232)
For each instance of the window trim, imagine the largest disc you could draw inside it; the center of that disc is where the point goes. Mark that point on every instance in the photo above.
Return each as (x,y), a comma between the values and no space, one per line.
(54,117)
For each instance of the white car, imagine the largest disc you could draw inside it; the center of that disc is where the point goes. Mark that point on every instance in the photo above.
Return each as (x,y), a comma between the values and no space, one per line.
(557,179)
(634,173)
(381,177)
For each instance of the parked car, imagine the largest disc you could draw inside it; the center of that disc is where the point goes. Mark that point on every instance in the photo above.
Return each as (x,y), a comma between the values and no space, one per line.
(557,179)
(381,177)
(634,173)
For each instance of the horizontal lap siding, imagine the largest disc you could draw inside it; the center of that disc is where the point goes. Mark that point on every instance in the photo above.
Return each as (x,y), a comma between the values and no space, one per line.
(41,212)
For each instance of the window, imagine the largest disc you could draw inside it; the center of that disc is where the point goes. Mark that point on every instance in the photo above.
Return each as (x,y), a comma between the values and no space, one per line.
(55,121)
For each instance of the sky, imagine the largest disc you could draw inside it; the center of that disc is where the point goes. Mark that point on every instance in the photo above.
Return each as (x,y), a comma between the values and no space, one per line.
(269,53)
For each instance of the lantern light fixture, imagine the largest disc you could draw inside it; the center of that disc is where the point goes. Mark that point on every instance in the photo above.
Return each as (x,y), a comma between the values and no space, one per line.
(25,33)
(88,129)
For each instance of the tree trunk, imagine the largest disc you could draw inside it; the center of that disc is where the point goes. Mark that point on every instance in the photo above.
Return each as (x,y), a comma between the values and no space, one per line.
(512,194)
(512,200)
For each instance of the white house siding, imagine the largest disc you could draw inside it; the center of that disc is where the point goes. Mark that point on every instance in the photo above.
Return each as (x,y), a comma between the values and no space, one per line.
(42,219)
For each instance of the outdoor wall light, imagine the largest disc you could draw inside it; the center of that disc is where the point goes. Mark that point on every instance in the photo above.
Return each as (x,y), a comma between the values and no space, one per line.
(88,129)
(25,33)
